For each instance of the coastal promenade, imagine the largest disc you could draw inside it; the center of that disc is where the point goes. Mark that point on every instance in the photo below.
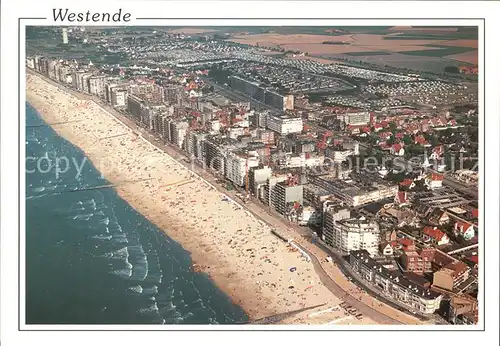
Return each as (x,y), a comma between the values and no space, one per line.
(328,273)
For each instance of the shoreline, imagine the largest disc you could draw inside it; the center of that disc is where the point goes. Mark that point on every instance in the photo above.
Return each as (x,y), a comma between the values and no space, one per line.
(253,274)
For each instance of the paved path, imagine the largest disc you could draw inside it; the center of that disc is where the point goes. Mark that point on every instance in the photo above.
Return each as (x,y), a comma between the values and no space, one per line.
(340,292)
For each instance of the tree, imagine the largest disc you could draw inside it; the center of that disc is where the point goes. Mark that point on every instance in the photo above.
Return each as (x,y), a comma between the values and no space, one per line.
(407,140)
(451,69)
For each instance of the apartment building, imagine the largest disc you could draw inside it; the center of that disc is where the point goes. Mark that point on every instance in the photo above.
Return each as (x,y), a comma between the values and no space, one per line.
(173,94)
(451,276)
(135,105)
(355,234)
(284,125)
(237,164)
(418,262)
(331,215)
(258,178)
(119,97)
(355,192)
(178,131)
(97,85)
(285,193)
(355,119)
(396,286)
(270,186)
(195,144)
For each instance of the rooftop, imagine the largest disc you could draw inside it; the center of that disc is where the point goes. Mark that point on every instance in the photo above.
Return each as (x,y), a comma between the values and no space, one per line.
(396,278)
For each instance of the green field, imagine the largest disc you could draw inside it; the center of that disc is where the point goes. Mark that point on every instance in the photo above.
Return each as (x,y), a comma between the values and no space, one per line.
(376,52)
(443,51)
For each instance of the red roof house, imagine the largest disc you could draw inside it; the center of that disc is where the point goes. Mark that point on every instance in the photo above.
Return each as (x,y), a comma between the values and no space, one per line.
(436,235)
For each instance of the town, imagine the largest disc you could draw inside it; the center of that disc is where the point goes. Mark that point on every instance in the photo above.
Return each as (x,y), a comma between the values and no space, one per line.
(376,166)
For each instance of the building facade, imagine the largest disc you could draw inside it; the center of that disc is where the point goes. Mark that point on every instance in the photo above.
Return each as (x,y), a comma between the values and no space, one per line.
(284,125)
(396,286)
(356,234)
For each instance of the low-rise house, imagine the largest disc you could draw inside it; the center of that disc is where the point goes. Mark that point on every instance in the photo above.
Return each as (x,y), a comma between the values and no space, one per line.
(436,236)
(434,180)
(386,249)
(438,217)
(397,149)
(464,230)
(437,153)
(401,198)
(407,183)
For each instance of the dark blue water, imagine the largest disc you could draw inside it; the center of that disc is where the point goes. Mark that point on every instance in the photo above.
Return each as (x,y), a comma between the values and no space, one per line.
(91,258)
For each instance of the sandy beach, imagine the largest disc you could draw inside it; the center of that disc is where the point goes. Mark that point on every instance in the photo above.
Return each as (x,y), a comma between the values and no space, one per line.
(237,250)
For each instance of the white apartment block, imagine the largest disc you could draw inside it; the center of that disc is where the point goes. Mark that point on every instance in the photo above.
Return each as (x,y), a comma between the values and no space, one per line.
(359,118)
(356,234)
(236,167)
(97,85)
(284,125)
(178,131)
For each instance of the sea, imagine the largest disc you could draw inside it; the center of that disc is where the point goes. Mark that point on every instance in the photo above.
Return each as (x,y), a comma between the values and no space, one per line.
(92,259)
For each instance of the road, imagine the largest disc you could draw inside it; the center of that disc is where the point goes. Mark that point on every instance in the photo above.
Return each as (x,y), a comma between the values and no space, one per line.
(345,296)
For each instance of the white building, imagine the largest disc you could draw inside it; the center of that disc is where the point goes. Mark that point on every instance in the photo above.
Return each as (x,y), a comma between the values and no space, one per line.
(119,97)
(30,62)
(284,125)
(356,234)
(97,85)
(359,118)
(236,167)
(65,35)
(178,130)
(397,287)
(215,125)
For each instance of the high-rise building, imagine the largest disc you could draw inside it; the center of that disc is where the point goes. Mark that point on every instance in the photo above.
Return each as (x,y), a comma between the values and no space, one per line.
(331,215)
(173,94)
(257,178)
(286,193)
(65,35)
(119,96)
(284,125)
(270,186)
(97,85)
(134,105)
(236,166)
(355,234)
(178,131)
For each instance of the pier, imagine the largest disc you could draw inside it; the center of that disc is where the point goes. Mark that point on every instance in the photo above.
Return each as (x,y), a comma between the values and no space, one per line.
(54,124)
(273,319)
(106,186)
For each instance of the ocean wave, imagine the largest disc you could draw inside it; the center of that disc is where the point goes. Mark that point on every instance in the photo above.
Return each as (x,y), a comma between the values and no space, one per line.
(85,217)
(125,273)
(104,221)
(121,254)
(102,237)
(151,290)
(137,289)
(119,238)
(153,308)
